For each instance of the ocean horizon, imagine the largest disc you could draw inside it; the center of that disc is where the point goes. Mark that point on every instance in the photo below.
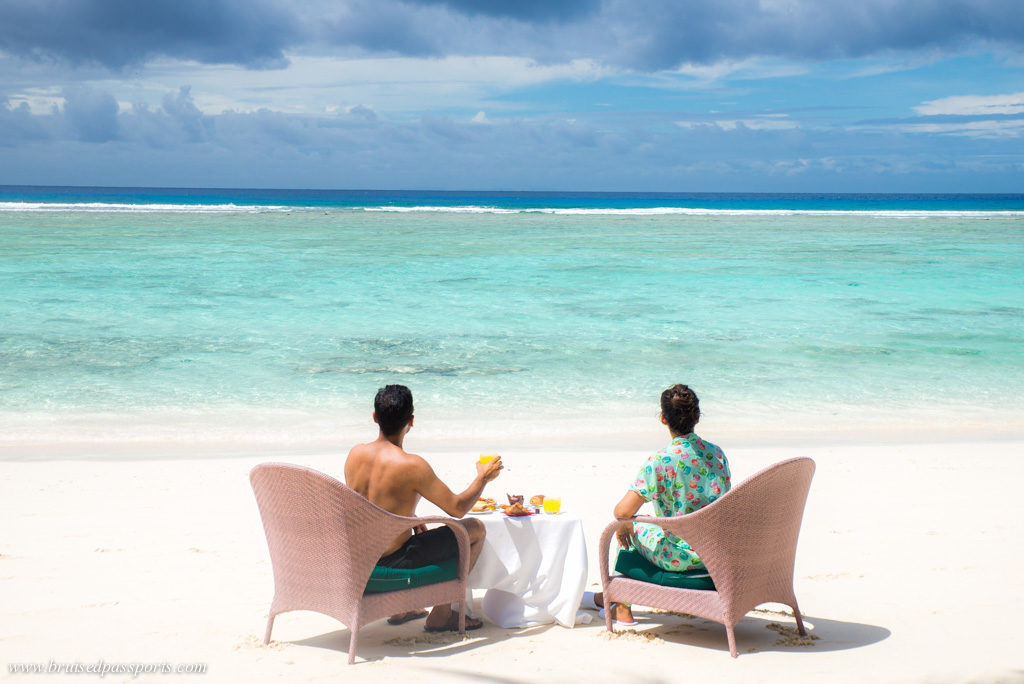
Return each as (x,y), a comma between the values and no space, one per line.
(209,314)
(61,198)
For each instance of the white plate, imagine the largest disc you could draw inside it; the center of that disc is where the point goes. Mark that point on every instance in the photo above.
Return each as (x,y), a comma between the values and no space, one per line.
(480,512)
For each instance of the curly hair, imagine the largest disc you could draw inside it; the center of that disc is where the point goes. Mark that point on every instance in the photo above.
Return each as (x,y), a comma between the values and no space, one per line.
(681,409)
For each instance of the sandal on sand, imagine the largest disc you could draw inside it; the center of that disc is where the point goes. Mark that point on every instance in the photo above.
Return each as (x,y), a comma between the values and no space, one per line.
(634,623)
(588,602)
(406,617)
(452,625)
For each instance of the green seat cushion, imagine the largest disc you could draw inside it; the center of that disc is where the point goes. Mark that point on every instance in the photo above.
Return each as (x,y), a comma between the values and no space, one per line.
(392,579)
(633,565)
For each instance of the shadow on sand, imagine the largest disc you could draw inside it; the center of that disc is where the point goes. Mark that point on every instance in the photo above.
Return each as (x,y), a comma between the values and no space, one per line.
(378,640)
(760,630)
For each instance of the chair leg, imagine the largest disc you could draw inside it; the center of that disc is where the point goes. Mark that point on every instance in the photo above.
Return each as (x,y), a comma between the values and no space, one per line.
(352,644)
(463,607)
(270,626)
(609,620)
(799,620)
(732,641)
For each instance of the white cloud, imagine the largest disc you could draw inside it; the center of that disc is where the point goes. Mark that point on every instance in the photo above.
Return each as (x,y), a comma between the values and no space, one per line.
(973,105)
(693,76)
(172,145)
(763,122)
(314,85)
(975,129)
(38,100)
(866,68)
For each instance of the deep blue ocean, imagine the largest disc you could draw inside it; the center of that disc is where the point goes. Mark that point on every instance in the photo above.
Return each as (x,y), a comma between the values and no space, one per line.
(219,197)
(233,306)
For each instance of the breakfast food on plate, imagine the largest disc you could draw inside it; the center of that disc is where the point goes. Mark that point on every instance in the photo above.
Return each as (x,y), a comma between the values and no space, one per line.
(514,499)
(537,500)
(483,505)
(517,509)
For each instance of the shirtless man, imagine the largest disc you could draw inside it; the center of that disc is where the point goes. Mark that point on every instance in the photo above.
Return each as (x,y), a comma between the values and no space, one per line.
(394,479)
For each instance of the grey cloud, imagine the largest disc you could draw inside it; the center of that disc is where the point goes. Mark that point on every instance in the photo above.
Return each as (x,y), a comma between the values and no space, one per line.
(182,109)
(446,129)
(660,34)
(652,35)
(384,26)
(354,148)
(524,10)
(18,126)
(360,113)
(151,128)
(118,33)
(91,114)
(639,34)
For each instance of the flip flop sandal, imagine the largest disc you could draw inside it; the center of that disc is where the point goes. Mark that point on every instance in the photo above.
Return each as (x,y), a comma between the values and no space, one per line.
(634,623)
(453,624)
(407,617)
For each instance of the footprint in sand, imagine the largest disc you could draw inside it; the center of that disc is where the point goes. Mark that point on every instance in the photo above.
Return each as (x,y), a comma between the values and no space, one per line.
(790,637)
(253,641)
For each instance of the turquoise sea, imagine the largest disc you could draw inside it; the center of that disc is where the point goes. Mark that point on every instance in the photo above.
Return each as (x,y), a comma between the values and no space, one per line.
(235,307)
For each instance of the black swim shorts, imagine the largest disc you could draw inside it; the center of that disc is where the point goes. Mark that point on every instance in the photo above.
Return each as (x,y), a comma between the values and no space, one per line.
(428,548)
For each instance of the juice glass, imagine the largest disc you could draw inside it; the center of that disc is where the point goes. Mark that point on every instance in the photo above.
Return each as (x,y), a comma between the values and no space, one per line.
(552,504)
(487,458)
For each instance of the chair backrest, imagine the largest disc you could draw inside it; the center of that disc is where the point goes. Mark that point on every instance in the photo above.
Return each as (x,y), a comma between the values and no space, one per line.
(748,537)
(323,536)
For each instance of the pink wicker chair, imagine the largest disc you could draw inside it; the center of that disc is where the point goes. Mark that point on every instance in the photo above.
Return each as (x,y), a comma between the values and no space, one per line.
(747,540)
(324,541)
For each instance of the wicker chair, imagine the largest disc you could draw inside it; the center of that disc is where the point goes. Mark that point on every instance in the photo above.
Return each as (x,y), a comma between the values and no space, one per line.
(325,540)
(747,540)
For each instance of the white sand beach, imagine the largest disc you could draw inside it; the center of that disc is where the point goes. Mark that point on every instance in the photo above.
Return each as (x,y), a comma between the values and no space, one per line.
(908,570)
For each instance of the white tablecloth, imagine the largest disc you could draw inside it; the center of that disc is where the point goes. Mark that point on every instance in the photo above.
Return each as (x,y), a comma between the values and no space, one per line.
(534,569)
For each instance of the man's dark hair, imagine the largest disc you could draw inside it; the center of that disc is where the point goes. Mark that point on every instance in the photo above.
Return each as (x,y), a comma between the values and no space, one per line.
(393,406)
(681,409)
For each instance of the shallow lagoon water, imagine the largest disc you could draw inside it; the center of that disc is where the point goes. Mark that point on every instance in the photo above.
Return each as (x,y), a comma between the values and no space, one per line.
(255,311)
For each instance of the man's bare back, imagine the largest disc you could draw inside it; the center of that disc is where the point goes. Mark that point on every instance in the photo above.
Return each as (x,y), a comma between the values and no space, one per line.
(392,478)
(388,476)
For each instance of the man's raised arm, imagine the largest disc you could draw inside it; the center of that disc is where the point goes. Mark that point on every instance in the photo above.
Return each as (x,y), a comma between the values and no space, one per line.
(431,488)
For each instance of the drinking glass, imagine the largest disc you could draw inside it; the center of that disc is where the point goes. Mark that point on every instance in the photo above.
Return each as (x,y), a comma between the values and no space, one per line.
(552,504)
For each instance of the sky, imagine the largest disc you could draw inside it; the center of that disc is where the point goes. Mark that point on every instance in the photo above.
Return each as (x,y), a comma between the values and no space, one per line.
(601,95)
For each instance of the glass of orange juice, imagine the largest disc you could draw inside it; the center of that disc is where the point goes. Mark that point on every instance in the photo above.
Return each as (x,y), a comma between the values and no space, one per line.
(487,458)
(552,504)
